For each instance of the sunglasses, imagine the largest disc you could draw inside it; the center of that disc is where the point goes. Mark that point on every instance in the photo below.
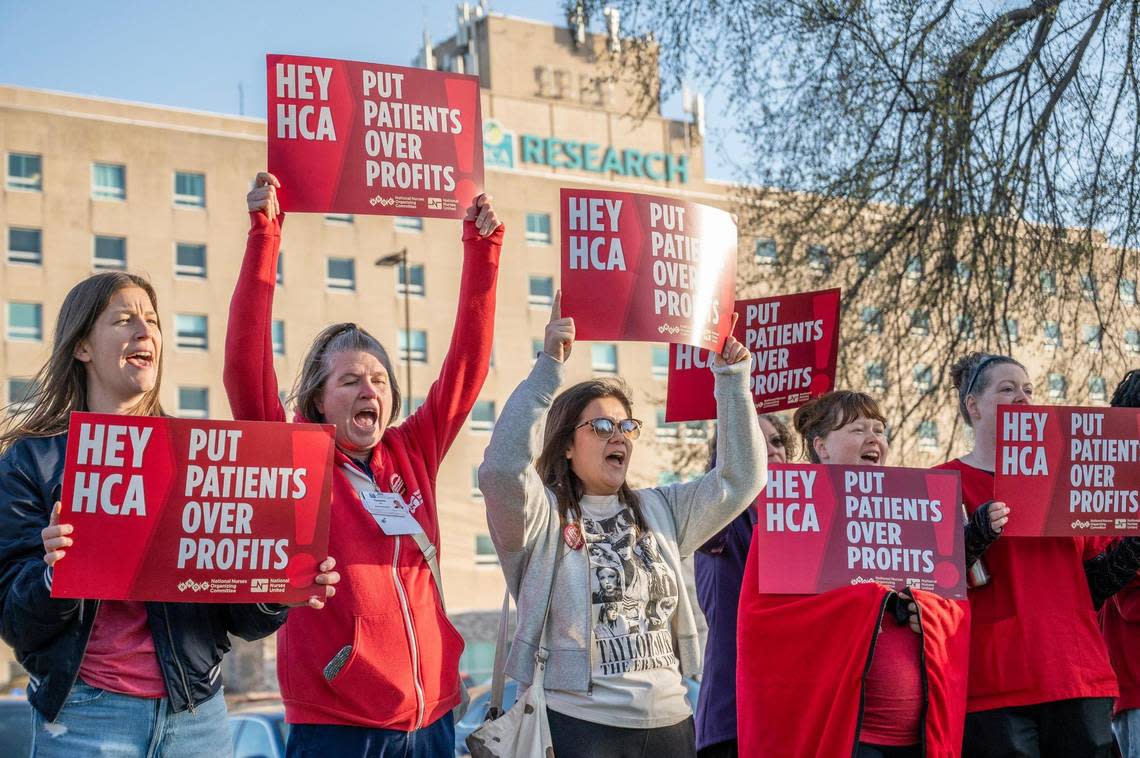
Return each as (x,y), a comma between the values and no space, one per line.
(604,427)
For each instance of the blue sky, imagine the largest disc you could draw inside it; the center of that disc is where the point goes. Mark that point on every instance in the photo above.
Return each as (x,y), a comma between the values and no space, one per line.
(195,54)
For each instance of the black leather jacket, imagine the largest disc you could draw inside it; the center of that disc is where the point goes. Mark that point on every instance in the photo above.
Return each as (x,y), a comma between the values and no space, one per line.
(50,635)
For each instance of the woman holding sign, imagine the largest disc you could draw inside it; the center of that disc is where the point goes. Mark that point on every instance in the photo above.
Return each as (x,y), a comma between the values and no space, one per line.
(619,692)
(1040,679)
(107,677)
(861,670)
(379,671)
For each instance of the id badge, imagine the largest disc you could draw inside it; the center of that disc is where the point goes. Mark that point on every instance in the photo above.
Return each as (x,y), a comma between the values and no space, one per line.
(390,513)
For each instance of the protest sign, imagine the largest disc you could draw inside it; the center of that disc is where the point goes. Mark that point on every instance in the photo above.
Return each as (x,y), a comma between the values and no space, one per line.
(794,341)
(824,527)
(351,137)
(647,268)
(183,510)
(1066,470)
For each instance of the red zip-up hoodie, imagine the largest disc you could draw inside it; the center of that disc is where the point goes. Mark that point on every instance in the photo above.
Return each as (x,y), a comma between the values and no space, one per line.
(402,672)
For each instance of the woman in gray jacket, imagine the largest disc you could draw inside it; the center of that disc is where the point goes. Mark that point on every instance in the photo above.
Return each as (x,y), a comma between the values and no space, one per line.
(618,694)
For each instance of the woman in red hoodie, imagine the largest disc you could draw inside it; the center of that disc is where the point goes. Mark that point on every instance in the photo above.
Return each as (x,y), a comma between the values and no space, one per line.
(1040,680)
(378,673)
(858,671)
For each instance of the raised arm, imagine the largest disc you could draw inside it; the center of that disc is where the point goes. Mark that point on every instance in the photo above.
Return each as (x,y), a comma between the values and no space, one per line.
(518,505)
(248,375)
(703,507)
(450,398)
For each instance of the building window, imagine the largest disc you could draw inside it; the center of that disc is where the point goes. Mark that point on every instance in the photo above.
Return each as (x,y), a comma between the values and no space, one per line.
(485,554)
(536,347)
(920,323)
(417,352)
(108,181)
(965,325)
(538,228)
(408,223)
(603,358)
(818,258)
(340,274)
(339,219)
(191,331)
(25,322)
(278,337)
(415,405)
(766,252)
(1058,386)
(1052,333)
(1048,282)
(540,291)
(914,267)
(964,272)
(660,361)
(25,245)
(876,375)
(866,258)
(1128,291)
(928,436)
(1098,388)
(923,377)
(1088,287)
(1091,335)
(410,279)
(665,430)
(1003,276)
(189,189)
(695,430)
(25,172)
(281,267)
(1012,331)
(194,402)
(110,254)
(190,260)
(872,319)
(1132,340)
(19,391)
(475,491)
(482,416)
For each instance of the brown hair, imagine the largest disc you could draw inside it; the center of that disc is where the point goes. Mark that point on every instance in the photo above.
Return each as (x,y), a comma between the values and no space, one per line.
(317,367)
(561,422)
(970,375)
(826,413)
(60,386)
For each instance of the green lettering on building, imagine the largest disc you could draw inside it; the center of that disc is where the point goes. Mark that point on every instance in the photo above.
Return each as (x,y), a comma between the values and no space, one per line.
(589,156)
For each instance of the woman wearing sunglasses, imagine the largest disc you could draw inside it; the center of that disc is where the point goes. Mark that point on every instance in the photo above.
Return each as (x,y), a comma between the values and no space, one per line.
(548,502)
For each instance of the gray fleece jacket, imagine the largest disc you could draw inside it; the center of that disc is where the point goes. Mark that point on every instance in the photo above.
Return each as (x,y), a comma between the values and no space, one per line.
(523,518)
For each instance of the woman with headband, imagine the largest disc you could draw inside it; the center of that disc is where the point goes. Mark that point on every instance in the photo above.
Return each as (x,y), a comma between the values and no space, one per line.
(1040,681)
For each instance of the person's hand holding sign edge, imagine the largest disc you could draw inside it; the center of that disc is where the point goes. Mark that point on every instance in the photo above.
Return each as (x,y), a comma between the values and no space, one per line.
(734,350)
(559,337)
(57,537)
(481,212)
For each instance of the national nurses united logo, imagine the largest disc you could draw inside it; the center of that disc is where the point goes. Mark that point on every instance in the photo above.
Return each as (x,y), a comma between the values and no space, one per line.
(498,145)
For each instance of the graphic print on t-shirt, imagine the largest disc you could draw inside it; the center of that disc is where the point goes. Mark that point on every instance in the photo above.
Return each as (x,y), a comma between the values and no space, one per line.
(633,597)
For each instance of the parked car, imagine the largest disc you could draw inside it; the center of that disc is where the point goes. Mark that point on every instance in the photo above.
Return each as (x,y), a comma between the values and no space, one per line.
(15,725)
(259,731)
(481,699)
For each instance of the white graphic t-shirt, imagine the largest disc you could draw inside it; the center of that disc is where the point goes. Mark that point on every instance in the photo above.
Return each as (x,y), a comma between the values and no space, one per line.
(634,670)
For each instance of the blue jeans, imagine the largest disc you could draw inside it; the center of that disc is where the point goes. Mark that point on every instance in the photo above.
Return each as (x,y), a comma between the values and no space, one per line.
(110,725)
(322,740)
(1126,727)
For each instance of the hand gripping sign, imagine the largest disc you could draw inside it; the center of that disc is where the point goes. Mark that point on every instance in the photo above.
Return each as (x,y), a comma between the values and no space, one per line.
(194,511)
(350,137)
(794,341)
(1066,470)
(821,527)
(647,268)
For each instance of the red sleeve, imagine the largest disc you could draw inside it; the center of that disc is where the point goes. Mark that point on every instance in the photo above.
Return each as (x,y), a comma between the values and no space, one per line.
(251,384)
(435,425)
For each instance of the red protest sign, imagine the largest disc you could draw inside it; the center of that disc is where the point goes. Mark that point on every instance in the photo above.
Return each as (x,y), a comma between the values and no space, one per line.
(1066,470)
(194,511)
(823,527)
(794,340)
(647,268)
(352,137)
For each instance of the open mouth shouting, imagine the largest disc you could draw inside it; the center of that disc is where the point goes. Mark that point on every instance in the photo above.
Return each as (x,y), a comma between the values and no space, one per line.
(616,458)
(366,420)
(874,456)
(141,359)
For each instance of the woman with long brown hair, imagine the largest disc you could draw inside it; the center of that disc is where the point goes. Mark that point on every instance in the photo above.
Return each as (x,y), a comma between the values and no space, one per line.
(130,678)
(621,693)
